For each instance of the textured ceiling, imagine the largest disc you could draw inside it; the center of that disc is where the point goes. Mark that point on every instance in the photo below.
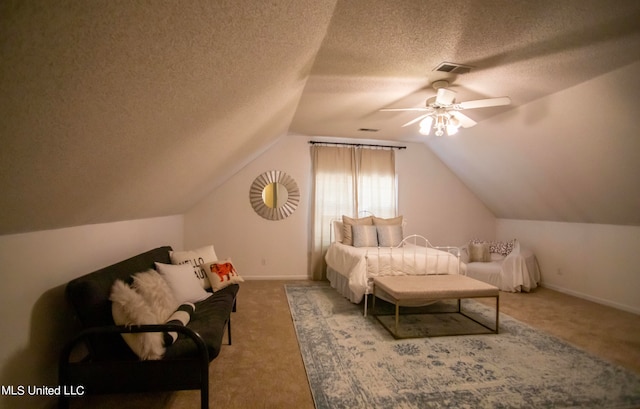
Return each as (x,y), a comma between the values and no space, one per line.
(118,110)
(381,54)
(124,110)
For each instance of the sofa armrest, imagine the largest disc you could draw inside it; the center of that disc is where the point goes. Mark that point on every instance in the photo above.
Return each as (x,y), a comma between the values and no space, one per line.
(123,329)
(108,376)
(464,254)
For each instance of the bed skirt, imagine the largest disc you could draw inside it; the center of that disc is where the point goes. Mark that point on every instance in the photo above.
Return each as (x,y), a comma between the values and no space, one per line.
(341,284)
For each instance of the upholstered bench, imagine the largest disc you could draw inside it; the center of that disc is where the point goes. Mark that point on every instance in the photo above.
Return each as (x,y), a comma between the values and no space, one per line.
(412,291)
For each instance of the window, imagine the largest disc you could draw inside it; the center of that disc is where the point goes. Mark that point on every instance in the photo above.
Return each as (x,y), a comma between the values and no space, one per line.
(348,181)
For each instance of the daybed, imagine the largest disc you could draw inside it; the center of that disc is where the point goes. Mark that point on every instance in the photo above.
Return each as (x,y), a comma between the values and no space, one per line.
(502,264)
(362,251)
(110,366)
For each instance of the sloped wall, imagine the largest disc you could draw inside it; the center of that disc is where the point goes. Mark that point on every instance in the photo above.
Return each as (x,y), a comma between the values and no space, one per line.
(259,247)
(573,156)
(436,203)
(35,267)
(561,175)
(433,200)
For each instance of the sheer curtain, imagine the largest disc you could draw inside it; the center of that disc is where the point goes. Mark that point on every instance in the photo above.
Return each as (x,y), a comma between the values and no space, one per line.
(346,181)
(377,182)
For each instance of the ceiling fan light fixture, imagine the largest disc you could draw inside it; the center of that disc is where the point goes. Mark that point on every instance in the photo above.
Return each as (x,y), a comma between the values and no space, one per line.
(443,112)
(440,121)
(425,125)
(445,97)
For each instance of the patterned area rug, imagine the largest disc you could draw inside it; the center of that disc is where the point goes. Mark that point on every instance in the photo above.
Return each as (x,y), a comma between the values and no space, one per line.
(353,362)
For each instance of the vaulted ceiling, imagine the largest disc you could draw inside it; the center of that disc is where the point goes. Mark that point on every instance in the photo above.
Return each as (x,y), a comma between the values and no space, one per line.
(124,110)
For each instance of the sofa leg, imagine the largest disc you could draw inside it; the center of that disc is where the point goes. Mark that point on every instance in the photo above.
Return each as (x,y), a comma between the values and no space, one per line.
(204,397)
(233,309)
(204,385)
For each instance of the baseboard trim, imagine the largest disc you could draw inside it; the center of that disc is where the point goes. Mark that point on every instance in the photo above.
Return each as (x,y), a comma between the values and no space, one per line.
(588,297)
(255,278)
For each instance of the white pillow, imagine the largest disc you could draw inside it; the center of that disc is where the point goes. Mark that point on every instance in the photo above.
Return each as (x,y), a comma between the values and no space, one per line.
(479,252)
(221,274)
(129,308)
(378,221)
(348,222)
(184,285)
(389,235)
(195,258)
(364,236)
(497,257)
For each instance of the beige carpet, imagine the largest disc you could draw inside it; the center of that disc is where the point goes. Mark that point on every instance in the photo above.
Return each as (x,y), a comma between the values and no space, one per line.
(263,368)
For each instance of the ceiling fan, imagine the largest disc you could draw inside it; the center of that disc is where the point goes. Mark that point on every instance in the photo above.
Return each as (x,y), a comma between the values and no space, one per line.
(443,113)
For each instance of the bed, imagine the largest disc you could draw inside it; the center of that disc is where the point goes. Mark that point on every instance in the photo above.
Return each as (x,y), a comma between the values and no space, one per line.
(352,266)
(503,264)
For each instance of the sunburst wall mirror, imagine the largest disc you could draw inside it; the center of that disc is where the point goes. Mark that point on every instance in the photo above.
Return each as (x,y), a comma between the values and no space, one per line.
(274,195)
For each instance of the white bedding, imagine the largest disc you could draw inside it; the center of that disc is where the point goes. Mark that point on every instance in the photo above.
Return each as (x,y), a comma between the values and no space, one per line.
(358,265)
(514,273)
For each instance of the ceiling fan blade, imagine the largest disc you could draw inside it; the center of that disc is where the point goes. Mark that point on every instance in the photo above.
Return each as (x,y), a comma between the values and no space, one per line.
(403,109)
(445,96)
(413,121)
(464,120)
(484,103)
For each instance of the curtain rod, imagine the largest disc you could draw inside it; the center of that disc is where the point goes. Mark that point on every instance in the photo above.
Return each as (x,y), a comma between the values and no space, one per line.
(357,145)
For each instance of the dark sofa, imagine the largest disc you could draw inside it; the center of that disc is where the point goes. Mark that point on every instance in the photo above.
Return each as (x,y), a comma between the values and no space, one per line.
(111,367)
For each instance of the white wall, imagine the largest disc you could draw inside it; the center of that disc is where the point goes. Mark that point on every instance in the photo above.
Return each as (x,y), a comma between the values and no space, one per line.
(260,248)
(36,320)
(594,261)
(434,202)
(572,156)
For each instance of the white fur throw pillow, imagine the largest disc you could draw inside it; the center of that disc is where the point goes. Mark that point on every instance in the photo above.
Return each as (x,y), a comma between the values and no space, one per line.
(130,308)
(156,293)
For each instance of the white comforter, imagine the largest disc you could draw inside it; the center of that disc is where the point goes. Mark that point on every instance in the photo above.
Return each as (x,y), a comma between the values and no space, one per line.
(515,273)
(361,264)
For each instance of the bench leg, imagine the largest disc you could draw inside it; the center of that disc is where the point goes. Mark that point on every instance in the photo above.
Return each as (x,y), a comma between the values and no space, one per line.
(485,324)
(373,302)
(366,297)
(397,317)
(497,313)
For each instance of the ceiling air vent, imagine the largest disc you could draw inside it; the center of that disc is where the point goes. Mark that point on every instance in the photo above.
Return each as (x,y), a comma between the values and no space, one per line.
(453,68)
(368,130)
